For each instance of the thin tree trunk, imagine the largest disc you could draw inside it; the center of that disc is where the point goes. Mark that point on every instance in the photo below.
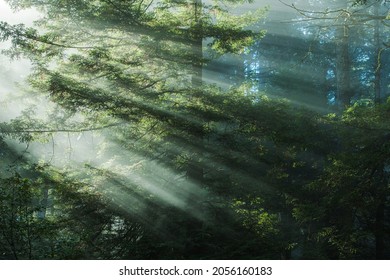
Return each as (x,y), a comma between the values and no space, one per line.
(194,172)
(378,50)
(195,169)
(197,46)
(343,65)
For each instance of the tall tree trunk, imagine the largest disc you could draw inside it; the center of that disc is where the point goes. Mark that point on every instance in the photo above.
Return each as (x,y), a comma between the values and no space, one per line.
(380,211)
(193,225)
(195,169)
(378,51)
(197,46)
(343,65)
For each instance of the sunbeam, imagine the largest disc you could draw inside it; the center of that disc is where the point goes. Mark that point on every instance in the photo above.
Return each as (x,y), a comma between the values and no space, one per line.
(194,129)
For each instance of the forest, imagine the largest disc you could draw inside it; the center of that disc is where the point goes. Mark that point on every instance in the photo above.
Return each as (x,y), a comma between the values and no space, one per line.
(195,129)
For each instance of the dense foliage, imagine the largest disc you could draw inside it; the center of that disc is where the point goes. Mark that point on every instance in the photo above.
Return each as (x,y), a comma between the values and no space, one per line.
(160,165)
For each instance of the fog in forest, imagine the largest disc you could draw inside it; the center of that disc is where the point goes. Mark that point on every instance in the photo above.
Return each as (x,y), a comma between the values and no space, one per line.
(194,129)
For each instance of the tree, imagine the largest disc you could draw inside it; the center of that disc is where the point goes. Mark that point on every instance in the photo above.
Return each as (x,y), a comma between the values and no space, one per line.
(347,27)
(135,68)
(182,169)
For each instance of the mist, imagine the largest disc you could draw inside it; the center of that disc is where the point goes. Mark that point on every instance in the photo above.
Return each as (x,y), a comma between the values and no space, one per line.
(218,139)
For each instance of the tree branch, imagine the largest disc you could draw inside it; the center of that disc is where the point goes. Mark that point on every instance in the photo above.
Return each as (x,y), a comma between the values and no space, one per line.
(62,130)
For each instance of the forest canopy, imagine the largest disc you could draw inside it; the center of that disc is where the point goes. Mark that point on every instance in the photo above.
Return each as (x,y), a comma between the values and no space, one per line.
(197,129)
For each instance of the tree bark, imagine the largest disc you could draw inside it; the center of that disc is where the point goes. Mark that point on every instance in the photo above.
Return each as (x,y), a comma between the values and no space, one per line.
(343,63)
(195,169)
(378,51)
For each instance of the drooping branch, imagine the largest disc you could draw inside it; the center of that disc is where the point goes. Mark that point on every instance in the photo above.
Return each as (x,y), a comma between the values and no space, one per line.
(354,16)
(66,130)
